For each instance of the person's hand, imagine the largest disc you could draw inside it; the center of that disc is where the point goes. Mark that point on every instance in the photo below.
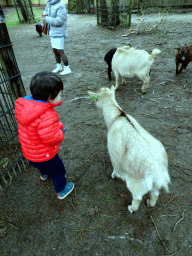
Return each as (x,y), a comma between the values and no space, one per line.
(64,130)
(43,17)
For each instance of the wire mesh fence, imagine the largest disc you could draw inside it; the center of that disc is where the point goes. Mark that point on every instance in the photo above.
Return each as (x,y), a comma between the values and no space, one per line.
(112,13)
(11,87)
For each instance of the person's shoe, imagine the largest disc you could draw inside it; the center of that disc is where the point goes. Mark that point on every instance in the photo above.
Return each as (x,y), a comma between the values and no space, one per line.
(58,68)
(66,71)
(43,177)
(67,190)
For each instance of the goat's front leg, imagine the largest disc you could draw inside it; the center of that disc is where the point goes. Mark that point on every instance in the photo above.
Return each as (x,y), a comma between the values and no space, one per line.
(113,174)
(123,80)
(117,79)
(186,64)
(109,71)
(115,164)
(135,205)
(182,66)
(177,68)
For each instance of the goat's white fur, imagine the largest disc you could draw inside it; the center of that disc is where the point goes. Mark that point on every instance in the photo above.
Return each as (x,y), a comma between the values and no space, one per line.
(137,157)
(128,62)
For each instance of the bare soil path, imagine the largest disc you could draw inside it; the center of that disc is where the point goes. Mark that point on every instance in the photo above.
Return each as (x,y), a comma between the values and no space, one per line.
(94,219)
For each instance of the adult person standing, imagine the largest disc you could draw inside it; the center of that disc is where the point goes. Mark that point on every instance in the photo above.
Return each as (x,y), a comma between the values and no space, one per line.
(56,18)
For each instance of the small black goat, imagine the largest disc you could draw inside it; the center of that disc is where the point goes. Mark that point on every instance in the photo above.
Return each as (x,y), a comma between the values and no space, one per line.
(39,29)
(108,58)
(183,56)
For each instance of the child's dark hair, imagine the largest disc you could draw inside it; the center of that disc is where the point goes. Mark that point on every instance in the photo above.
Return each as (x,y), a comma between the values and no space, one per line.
(45,85)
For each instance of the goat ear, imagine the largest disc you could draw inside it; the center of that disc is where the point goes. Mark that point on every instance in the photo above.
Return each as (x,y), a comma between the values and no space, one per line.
(93,95)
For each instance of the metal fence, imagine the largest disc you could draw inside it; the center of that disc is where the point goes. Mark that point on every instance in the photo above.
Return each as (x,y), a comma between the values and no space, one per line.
(11,87)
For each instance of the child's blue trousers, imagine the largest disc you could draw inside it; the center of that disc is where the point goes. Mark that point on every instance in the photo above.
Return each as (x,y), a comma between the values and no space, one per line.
(55,169)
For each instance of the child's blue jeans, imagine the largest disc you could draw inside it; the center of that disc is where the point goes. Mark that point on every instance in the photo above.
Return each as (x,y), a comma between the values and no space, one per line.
(55,169)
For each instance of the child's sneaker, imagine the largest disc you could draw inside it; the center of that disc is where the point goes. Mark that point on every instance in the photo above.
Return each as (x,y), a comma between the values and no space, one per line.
(68,189)
(43,177)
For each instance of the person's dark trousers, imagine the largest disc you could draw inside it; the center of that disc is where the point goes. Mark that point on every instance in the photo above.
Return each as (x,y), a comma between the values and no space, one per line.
(55,169)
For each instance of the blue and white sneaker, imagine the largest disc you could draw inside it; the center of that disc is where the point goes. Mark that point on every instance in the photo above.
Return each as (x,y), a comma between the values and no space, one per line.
(67,190)
(43,177)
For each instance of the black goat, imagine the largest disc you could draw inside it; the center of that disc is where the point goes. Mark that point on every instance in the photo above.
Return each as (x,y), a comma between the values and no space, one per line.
(183,56)
(39,29)
(108,58)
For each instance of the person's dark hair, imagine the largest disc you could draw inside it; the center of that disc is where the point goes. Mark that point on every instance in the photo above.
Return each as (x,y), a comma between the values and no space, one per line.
(45,85)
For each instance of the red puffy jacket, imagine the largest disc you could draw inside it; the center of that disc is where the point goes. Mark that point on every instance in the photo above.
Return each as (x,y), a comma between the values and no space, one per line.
(40,131)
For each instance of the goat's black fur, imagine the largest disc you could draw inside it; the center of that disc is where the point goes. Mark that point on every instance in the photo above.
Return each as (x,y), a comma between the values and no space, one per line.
(108,58)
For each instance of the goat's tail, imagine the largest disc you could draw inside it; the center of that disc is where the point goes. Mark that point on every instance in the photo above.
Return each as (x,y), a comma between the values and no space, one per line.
(154,52)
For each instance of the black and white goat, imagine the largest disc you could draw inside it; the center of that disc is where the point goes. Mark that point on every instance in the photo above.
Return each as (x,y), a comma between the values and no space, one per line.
(128,62)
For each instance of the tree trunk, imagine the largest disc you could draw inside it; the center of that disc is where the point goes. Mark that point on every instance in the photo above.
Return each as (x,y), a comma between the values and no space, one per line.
(23,9)
(130,11)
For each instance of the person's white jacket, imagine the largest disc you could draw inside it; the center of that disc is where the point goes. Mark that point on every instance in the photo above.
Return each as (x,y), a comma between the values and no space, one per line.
(56,18)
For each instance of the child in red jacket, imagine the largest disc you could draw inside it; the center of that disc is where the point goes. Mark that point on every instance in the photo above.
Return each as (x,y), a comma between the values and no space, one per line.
(40,132)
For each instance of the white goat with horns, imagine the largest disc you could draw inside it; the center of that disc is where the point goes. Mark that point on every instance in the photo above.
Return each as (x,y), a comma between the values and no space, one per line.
(137,157)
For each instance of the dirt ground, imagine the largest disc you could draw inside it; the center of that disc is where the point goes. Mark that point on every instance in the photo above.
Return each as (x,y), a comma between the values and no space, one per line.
(94,219)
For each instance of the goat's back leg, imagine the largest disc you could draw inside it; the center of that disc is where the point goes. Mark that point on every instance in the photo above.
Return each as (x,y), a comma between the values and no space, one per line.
(135,205)
(145,80)
(145,86)
(153,198)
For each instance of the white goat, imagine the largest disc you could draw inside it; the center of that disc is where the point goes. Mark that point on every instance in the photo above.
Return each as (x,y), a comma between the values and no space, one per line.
(137,157)
(129,62)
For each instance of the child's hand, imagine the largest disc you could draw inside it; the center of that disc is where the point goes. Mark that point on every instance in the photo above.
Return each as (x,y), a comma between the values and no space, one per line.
(64,130)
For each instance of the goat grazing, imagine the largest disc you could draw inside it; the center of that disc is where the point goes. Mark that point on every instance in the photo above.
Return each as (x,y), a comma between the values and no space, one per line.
(39,29)
(183,56)
(108,58)
(129,62)
(137,157)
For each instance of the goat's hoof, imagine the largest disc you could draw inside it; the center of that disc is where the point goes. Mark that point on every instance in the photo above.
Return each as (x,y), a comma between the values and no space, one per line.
(130,209)
(113,175)
(148,203)
(143,90)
